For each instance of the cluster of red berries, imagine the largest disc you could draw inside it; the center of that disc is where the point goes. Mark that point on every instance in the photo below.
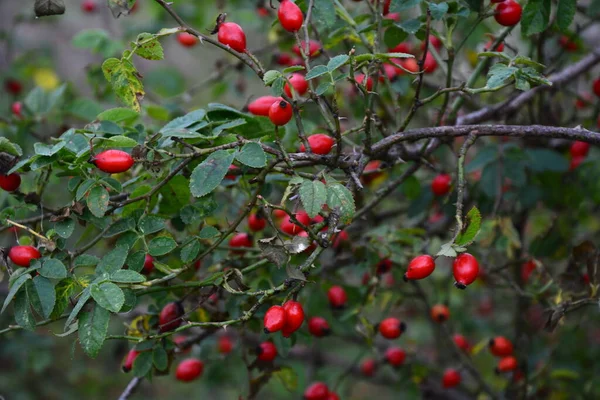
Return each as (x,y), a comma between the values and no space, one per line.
(319,391)
(277,109)
(503,348)
(465,269)
(287,318)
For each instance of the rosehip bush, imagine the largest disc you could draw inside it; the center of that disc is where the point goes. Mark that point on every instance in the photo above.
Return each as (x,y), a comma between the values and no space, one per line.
(299,199)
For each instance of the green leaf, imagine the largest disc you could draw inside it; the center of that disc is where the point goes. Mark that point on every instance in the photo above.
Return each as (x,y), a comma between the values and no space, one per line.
(438,10)
(125,81)
(252,155)
(135,261)
(209,174)
(313,195)
(7,146)
(113,260)
(208,232)
(142,364)
(324,13)
(149,47)
(316,72)
(594,8)
(118,115)
(288,377)
(483,157)
(294,68)
(160,358)
(127,276)
(63,292)
(120,141)
(151,224)
(323,87)
(536,16)
(108,295)
(447,250)
(85,296)
(498,74)
(65,228)
(190,251)
(46,293)
(410,26)
(97,201)
(270,76)
(48,150)
(23,314)
(161,245)
(14,289)
(337,61)
(83,189)
(185,121)
(93,327)
(175,195)
(338,196)
(474,5)
(546,160)
(473,225)
(120,226)
(53,269)
(565,14)
(394,36)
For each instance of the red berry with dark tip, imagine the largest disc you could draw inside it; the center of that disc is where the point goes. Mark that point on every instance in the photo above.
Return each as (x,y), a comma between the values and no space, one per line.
(507,364)
(299,84)
(280,112)
(22,255)
(232,35)
(508,13)
(440,186)
(501,346)
(240,240)
(367,367)
(113,161)
(294,317)
(337,296)
(256,222)
(316,391)
(187,39)
(465,269)
(262,105)
(461,342)
(319,144)
(275,319)
(148,264)
(440,313)
(224,345)
(129,359)
(266,351)
(395,356)
(420,267)
(11,182)
(451,378)
(290,16)
(318,326)
(391,328)
(189,370)
(170,317)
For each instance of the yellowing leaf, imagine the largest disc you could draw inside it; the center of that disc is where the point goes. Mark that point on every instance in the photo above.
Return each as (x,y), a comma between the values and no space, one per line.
(46,78)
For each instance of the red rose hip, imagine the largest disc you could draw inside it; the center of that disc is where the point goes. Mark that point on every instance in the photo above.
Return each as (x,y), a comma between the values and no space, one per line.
(188,370)
(170,317)
(266,351)
(280,113)
(275,319)
(129,359)
(299,84)
(465,269)
(290,16)
(391,328)
(395,356)
(440,313)
(22,255)
(420,267)
(113,161)
(319,144)
(501,346)
(451,378)
(508,13)
(337,296)
(262,105)
(187,39)
(294,317)
(507,364)
(232,35)
(318,327)
(11,182)
(148,264)
(440,186)
(256,222)
(316,391)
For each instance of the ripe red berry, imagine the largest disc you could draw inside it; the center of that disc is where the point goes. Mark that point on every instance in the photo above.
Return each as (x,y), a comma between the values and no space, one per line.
(17,108)
(383,266)
(579,149)
(440,313)
(231,168)
(180,342)
(113,161)
(368,174)
(262,105)
(568,44)
(386,7)
(319,144)
(275,319)
(266,351)
(451,378)
(391,328)
(508,13)
(314,48)
(13,86)
(294,317)
(10,182)
(395,356)
(527,269)
(461,342)
(290,16)
(333,396)
(240,240)
(232,35)
(262,11)
(283,59)
(367,367)
(318,326)
(287,226)
(465,269)
(280,113)
(256,222)
(316,391)
(197,265)
(337,296)
(187,39)
(430,64)
(129,359)
(393,16)
(225,345)
(420,267)
(22,255)
(189,369)
(596,87)
(88,6)
(360,79)
(433,41)
(299,84)
(501,346)
(507,364)
(440,186)
(148,264)
(498,48)
(402,47)
(170,317)
(340,239)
